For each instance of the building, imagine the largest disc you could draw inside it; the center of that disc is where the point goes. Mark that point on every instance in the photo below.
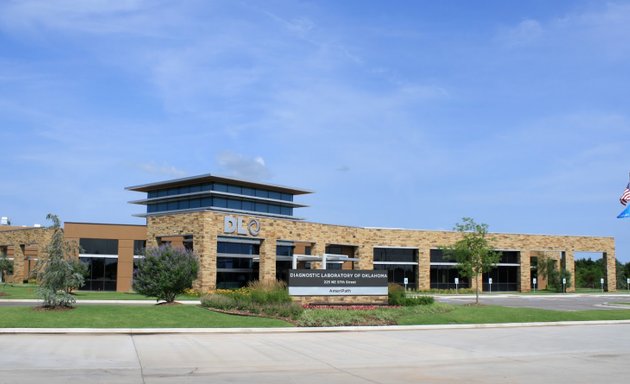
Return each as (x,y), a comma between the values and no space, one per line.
(244,230)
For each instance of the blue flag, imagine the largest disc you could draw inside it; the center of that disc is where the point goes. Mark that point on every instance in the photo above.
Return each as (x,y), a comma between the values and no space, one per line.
(625,213)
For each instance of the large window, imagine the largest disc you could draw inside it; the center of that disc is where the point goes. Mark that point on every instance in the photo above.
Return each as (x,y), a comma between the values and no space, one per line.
(237,264)
(504,278)
(283,264)
(400,263)
(102,272)
(99,246)
(443,277)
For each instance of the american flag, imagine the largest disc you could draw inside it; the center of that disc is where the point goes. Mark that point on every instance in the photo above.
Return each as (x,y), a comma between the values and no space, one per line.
(625,197)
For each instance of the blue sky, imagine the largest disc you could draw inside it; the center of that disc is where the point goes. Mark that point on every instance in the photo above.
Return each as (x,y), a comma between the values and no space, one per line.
(409,114)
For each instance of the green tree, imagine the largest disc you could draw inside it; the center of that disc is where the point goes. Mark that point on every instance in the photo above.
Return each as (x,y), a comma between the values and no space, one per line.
(547,268)
(56,274)
(165,272)
(473,253)
(6,267)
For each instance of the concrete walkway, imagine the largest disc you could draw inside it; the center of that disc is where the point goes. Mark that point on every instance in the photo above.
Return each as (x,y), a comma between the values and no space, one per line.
(553,354)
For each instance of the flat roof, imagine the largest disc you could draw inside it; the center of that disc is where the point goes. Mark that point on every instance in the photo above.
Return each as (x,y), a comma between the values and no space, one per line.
(212,178)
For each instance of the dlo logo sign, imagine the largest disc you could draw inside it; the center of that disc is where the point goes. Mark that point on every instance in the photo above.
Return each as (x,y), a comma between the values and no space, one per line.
(239,226)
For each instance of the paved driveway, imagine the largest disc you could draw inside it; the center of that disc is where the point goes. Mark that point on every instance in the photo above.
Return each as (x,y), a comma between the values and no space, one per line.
(556,302)
(550,354)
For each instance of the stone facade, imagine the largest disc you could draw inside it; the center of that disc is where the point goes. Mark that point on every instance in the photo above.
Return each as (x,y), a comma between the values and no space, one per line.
(206,226)
(25,246)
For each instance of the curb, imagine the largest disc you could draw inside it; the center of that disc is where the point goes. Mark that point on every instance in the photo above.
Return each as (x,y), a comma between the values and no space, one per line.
(170,331)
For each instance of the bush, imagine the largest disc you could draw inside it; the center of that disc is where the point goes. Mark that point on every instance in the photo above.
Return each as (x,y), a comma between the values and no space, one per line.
(396,296)
(266,298)
(166,272)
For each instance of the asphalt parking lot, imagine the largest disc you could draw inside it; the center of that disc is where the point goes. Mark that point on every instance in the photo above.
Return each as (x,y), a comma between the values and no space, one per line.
(570,302)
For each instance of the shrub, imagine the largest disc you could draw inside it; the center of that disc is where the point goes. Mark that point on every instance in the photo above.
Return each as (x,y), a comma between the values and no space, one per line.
(165,272)
(222,302)
(396,296)
(266,298)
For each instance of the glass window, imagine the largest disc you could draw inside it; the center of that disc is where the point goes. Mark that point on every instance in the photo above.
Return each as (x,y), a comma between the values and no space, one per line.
(234,204)
(262,193)
(99,246)
(194,203)
(286,211)
(139,246)
(284,250)
(102,273)
(396,274)
(248,206)
(261,207)
(195,188)
(396,254)
(172,205)
(219,202)
(184,204)
(443,277)
(220,187)
(274,209)
(206,202)
(238,248)
(275,195)
(234,189)
(437,256)
(248,191)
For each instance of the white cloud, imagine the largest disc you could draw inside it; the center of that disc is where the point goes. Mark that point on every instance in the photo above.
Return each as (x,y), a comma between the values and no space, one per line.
(526,32)
(241,166)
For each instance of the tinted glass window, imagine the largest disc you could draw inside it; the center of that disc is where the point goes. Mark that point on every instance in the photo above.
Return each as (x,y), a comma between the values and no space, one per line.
(99,246)
(396,254)
(234,189)
(220,187)
(238,248)
(139,246)
(234,204)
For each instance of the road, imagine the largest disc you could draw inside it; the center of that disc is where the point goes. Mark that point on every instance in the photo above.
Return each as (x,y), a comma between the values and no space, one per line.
(553,354)
(555,302)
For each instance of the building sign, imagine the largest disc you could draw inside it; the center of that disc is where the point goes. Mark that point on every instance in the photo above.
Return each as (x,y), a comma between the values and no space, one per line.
(316,282)
(240,226)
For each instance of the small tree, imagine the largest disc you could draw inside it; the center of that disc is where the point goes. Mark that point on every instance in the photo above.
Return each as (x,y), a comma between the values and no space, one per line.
(473,253)
(6,267)
(165,272)
(56,274)
(548,268)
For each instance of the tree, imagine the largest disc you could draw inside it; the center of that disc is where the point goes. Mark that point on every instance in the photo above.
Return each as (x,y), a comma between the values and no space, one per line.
(547,267)
(56,274)
(165,272)
(6,267)
(473,252)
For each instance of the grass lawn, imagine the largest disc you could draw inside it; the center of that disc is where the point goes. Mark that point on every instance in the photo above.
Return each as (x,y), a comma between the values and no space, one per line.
(187,316)
(27,291)
(128,316)
(446,314)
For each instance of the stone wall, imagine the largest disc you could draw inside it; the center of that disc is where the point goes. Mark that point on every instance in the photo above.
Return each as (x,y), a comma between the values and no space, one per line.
(15,242)
(207,225)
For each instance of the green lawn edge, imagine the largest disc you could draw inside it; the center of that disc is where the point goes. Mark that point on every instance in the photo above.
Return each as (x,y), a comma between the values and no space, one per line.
(191,316)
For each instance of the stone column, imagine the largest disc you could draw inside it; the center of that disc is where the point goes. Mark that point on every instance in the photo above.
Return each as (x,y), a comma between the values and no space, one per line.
(267,264)
(611,270)
(570,267)
(525,275)
(18,263)
(424,269)
(365,254)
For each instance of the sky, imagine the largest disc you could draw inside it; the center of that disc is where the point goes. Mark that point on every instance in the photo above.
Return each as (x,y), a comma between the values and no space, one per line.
(404,114)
